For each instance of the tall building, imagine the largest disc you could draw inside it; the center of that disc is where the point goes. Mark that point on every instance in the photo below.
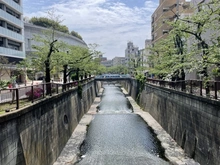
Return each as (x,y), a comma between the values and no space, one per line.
(11,37)
(131,53)
(167,11)
(11,30)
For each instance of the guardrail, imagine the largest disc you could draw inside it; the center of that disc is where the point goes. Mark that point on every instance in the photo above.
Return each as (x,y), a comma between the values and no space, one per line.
(14,98)
(210,89)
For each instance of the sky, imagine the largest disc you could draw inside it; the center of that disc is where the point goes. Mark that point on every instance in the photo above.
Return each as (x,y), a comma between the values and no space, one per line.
(108,23)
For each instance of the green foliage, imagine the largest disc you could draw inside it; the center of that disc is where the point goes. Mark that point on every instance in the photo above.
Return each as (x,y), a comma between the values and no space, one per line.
(119,69)
(192,44)
(3,84)
(141,79)
(48,23)
(75,34)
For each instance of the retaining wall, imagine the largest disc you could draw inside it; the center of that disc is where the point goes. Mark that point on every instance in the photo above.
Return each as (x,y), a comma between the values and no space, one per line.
(192,121)
(36,135)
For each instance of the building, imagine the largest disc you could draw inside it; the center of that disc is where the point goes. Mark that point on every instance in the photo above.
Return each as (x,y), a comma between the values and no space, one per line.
(31,30)
(131,55)
(167,11)
(11,35)
(116,61)
(102,58)
(107,63)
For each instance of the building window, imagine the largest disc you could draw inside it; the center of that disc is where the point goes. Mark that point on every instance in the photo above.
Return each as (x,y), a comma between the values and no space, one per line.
(9,11)
(165,31)
(13,28)
(17,1)
(1,42)
(14,45)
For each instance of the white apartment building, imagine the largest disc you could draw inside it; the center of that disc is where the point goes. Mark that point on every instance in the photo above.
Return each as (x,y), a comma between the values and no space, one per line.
(11,34)
(131,53)
(11,29)
(31,30)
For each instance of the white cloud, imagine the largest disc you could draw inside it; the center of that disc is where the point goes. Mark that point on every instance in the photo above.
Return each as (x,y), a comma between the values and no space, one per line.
(109,24)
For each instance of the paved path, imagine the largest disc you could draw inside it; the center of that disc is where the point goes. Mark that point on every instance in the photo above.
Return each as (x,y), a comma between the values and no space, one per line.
(173,152)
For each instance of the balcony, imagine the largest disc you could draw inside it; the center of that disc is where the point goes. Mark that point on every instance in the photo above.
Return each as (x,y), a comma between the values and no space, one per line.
(14,5)
(11,53)
(12,35)
(9,18)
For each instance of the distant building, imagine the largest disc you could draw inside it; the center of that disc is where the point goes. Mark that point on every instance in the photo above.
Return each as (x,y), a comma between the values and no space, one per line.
(167,11)
(102,58)
(118,61)
(147,53)
(131,54)
(107,63)
(31,30)
(12,35)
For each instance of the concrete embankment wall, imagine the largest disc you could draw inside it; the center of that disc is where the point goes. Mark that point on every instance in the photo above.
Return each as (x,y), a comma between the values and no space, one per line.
(192,121)
(36,135)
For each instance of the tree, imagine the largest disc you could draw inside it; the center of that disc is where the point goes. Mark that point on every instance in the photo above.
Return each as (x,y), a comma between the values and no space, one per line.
(80,59)
(48,47)
(119,69)
(75,34)
(174,55)
(48,23)
(198,26)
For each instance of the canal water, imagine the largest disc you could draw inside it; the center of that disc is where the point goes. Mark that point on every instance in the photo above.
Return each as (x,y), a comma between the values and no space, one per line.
(117,136)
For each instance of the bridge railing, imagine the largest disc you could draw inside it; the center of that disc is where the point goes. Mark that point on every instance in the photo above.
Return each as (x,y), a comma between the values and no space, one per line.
(15,98)
(210,89)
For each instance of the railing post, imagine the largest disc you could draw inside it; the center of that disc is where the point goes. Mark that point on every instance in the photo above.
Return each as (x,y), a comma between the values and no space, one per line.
(200,86)
(17,98)
(57,88)
(182,85)
(191,86)
(50,89)
(216,89)
(43,90)
(32,93)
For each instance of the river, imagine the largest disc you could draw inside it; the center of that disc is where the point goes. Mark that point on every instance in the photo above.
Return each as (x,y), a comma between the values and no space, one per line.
(117,136)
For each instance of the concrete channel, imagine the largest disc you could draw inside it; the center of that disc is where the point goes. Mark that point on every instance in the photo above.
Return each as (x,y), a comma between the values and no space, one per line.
(71,152)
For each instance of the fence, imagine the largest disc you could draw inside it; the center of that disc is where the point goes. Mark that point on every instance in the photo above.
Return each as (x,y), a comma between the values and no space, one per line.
(14,98)
(210,89)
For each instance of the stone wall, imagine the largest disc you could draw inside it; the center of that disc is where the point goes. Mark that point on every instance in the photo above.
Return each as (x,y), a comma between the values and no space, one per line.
(192,121)
(36,135)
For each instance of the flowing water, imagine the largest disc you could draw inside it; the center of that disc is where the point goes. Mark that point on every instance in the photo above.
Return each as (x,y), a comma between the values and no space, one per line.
(116,136)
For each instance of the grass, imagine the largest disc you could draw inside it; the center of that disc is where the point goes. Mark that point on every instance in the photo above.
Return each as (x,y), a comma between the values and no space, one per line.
(12,107)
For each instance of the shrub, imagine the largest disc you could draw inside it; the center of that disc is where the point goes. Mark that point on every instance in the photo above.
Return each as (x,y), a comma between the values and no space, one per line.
(37,93)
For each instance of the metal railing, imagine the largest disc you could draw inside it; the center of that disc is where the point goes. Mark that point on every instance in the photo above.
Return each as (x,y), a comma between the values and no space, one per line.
(209,89)
(15,98)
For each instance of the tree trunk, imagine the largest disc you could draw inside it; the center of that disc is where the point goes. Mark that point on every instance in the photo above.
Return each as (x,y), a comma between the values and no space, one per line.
(47,77)
(77,74)
(64,74)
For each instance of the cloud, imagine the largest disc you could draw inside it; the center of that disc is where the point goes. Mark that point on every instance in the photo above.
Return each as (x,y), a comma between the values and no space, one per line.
(105,22)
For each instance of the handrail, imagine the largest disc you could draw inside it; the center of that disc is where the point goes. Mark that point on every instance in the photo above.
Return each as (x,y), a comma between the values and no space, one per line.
(14,96)
(209,89)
